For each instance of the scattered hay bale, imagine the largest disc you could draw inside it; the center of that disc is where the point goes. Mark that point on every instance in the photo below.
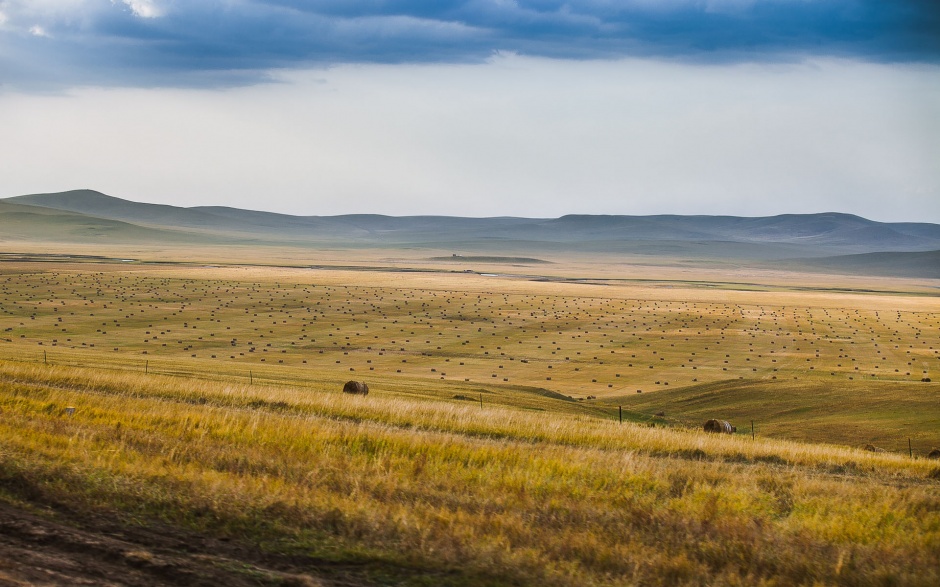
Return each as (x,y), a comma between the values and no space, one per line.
(356,387)
(720,426)
(934,454)
(660,414)
(926,379)
(873,448)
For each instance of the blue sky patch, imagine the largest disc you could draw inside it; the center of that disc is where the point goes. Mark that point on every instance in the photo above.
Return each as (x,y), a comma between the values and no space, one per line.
(213,42)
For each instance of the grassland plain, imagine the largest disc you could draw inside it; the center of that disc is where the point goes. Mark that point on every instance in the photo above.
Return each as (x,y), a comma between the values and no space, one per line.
(580,340)
(207,398)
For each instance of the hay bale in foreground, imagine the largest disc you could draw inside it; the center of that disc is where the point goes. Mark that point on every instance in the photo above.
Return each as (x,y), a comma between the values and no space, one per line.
(356,387)
(720,426)
(934,454)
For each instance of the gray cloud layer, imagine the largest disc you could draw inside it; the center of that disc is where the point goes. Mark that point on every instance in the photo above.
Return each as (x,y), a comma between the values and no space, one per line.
(56,43)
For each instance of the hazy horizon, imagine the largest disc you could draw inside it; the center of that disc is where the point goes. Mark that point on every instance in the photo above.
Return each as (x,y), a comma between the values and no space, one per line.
(263,210)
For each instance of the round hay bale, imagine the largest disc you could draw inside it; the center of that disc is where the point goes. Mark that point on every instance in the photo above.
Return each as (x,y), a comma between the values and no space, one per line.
(719,426)
(873,448)
(934,454)
(356,387)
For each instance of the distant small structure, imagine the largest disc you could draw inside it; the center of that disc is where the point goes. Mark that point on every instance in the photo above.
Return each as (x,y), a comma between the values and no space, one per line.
(356,387)
(720,426)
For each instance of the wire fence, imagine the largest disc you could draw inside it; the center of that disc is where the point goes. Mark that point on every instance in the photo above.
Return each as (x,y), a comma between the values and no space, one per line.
(305,376)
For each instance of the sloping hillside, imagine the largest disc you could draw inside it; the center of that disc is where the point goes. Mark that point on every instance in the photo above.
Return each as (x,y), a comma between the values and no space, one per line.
(888,264)
(789,236)
(24,223)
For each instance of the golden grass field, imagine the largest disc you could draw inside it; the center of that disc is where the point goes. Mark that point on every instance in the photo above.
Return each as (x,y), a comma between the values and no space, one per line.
(489,450)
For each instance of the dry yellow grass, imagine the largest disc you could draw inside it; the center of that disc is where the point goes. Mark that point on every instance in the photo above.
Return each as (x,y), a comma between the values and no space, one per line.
(530,487)
(493,496)
(577,340)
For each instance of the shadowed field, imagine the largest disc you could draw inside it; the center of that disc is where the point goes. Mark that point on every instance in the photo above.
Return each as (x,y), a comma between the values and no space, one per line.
(885,414)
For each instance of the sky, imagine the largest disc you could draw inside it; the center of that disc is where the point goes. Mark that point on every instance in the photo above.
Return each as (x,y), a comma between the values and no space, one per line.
(534,108)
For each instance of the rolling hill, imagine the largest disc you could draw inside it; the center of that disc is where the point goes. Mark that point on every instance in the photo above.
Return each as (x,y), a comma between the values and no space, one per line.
(830,238)
(25,223)
(887,264)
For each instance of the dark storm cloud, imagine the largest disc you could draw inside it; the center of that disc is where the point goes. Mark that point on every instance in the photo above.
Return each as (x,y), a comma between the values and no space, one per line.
(234,42)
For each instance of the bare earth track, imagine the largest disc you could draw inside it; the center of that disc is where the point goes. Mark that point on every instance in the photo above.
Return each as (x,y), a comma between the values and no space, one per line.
(35,550)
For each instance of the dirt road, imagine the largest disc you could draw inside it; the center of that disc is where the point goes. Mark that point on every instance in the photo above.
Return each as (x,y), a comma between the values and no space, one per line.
(38,551)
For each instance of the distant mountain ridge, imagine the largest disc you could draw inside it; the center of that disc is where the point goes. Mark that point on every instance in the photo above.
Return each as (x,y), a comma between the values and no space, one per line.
(786,236)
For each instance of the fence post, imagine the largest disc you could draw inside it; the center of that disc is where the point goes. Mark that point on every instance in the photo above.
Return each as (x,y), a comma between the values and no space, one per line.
(44,358)
(251,380)
(146,367)
(910,449)
(620,409)
(481,401)
(752,429)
